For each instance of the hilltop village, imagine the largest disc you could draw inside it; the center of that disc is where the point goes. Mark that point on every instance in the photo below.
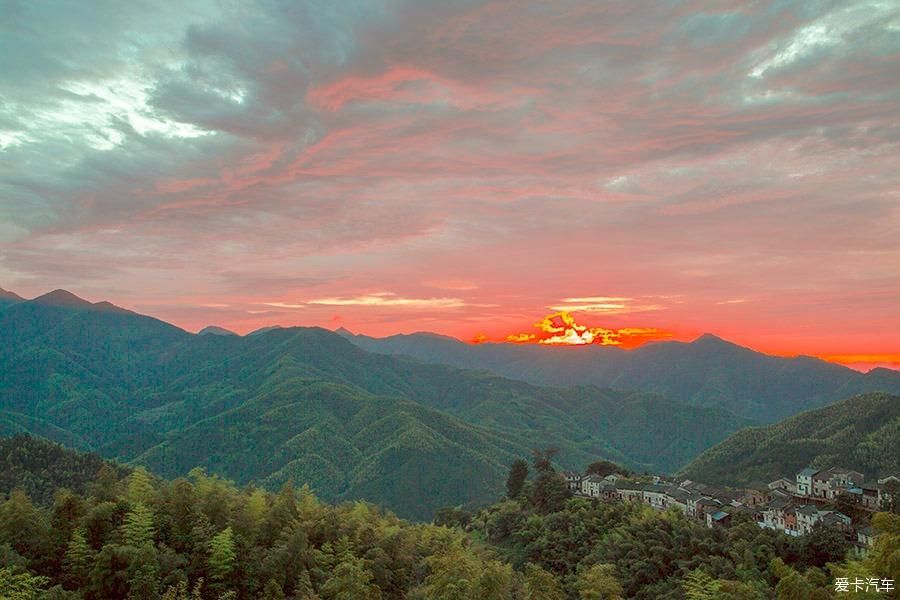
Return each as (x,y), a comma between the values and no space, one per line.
(792,506)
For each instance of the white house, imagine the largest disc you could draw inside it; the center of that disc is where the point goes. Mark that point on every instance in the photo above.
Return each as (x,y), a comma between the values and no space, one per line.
(805,481)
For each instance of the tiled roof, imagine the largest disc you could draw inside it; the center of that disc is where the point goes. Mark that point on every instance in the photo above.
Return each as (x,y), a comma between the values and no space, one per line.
(809,509)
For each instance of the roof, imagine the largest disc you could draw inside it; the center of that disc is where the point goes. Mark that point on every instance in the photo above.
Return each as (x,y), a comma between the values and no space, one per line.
(630,485)
(807,472)
(868,531)
(836,517)
(718,516)
(679,495)
(708,502)
(808,509)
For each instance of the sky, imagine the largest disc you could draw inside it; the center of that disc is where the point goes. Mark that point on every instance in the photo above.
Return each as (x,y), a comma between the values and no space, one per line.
(653,169)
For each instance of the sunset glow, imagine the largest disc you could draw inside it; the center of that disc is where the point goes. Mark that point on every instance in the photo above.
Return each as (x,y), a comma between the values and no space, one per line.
(561,329)
(653,172)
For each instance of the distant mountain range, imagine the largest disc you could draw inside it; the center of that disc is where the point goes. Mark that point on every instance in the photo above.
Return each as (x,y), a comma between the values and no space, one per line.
(305,403)
(860,433)
(709,371)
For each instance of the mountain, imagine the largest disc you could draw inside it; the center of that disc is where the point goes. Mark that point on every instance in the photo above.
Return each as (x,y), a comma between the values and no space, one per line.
(214,330)
(262,330)
(39,467)
(305,403)
(860,433)
(9,298)
(706,372)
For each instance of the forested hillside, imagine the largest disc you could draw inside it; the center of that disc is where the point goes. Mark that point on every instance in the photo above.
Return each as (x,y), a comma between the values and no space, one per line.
(861,433)
(201,538)
(306,404)
(40,467)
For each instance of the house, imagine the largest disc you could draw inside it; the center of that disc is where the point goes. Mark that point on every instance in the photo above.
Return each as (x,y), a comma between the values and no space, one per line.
(865,537)
(885,486)
(779,494)
(807,516)
(837,519)
(657,495)
(705,506)
(779,514)
(573,480)
(590,486)
(868,495)
(630,491)
(784,484)
(719,518)
(679,499)
(831,482)
(753,497)
(805,481)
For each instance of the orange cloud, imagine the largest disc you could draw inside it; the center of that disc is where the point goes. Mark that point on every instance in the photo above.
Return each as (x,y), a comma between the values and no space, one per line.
(561,329)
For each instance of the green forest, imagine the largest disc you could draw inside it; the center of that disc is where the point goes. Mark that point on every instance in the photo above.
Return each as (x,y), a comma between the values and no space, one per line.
(305,403)
(133,536)
(861,433)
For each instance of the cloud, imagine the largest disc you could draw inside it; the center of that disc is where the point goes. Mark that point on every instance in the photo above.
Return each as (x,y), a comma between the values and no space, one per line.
(387,299)
(605,305)
(513,153)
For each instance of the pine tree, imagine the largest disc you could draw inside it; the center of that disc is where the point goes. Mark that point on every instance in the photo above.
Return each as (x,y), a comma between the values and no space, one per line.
(700,585)
(272,591)
(78,559)
(137,531)
(221,555)
(518,473)
(139,489)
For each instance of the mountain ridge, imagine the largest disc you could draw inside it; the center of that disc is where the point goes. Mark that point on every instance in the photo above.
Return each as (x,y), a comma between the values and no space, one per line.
(708,371)
(307,403)
(861,433)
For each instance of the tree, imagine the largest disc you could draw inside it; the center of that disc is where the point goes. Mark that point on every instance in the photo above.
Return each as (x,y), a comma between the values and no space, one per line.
(20,586)
(272,591)
(700,585)
(143,575)
(350,580)
(518,473)
(137,531)
(22,526)
(110,577)
(890,496)
(824,544)
(541,585)
(549,492)
(599,583)
(139,489)
(602,468)
(884,557)
(221,555)
(78,559)
(542,460)
(452,516)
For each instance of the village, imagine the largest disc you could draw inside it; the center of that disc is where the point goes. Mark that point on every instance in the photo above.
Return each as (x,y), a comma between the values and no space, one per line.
(792,506)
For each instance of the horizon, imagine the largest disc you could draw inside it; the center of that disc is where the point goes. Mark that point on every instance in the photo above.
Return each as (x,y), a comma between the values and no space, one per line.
(856,365)
(472,169)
